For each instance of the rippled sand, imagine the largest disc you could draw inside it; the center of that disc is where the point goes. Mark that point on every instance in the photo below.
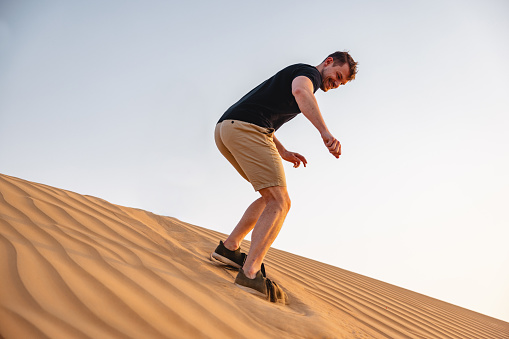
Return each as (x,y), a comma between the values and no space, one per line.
(75,266)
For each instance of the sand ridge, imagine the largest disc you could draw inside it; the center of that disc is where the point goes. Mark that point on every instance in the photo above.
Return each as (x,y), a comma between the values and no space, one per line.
(75,266)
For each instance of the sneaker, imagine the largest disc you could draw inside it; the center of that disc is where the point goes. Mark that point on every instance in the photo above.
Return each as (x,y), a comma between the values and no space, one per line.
(226,257)
(261,286)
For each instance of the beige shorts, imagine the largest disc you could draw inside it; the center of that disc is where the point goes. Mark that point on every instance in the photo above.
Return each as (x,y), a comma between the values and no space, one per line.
(252,151)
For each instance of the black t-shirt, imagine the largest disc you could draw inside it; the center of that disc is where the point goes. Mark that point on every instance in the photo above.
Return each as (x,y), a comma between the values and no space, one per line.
(271,104)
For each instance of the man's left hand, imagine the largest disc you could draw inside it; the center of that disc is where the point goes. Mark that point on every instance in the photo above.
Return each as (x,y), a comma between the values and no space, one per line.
(294,158)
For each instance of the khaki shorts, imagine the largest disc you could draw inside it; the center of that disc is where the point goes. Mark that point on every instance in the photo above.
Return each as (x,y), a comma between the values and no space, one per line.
(252,151)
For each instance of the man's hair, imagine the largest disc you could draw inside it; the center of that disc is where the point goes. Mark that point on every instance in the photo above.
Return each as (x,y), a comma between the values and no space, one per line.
(340,58)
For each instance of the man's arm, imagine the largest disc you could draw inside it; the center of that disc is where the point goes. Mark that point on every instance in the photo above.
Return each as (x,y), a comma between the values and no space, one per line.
(302,90)
(292,157)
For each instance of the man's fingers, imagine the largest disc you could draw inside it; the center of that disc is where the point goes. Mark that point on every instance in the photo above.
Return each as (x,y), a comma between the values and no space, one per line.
(295,159)
(296,162)
(335,149)
(331,142)
(334,146)
(301,158)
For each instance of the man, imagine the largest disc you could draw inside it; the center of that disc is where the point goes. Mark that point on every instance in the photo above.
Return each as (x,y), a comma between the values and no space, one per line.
(245,136)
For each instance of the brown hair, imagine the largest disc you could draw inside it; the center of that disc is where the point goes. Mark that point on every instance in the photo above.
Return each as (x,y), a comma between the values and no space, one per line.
(340,58)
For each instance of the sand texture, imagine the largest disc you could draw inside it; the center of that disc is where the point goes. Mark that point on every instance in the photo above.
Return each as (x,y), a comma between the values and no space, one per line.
(75,266)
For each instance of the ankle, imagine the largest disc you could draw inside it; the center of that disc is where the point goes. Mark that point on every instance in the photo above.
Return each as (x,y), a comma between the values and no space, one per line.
(250,270)
(250,274)
(230,245)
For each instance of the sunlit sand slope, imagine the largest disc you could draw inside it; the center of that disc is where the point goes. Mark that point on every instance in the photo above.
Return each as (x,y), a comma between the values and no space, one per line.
(74,266)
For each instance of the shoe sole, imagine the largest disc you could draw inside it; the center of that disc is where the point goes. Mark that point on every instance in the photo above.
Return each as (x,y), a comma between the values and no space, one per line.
(252,291)
(214,257)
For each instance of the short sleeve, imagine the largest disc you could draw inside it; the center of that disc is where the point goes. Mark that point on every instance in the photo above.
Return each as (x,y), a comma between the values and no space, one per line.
(310,72)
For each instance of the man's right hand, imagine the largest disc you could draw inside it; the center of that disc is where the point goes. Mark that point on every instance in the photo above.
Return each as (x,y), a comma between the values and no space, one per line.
(332,144)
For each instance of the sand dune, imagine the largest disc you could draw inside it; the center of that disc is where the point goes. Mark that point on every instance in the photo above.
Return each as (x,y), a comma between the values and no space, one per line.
(74,266)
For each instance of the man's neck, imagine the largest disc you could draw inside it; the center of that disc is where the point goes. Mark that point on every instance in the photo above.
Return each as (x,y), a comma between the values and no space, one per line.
(320,67)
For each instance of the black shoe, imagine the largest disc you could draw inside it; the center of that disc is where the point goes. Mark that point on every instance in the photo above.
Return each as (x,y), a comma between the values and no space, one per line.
(225,256)
(261,286)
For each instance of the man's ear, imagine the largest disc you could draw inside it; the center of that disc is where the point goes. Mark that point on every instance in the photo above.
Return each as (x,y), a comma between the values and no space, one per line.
(328,61)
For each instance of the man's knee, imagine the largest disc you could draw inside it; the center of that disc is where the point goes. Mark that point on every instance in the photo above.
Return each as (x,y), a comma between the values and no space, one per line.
(277,195)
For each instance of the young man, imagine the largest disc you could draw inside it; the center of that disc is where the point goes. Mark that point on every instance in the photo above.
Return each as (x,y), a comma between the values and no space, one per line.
(245,137)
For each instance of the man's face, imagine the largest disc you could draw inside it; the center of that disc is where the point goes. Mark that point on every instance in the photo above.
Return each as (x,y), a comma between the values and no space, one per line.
(334,76)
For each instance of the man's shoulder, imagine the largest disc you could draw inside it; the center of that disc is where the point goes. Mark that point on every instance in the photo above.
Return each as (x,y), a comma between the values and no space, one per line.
(306,70)
(302,67)
(296,70)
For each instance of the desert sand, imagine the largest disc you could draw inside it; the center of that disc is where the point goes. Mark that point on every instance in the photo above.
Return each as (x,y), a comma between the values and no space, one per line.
(76,266)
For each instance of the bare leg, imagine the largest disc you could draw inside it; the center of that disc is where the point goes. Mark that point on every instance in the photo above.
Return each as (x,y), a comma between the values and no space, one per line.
(277,205)
(245,225)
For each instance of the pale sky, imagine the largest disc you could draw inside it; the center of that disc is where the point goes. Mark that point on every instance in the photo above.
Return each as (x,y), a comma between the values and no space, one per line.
(119,99)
